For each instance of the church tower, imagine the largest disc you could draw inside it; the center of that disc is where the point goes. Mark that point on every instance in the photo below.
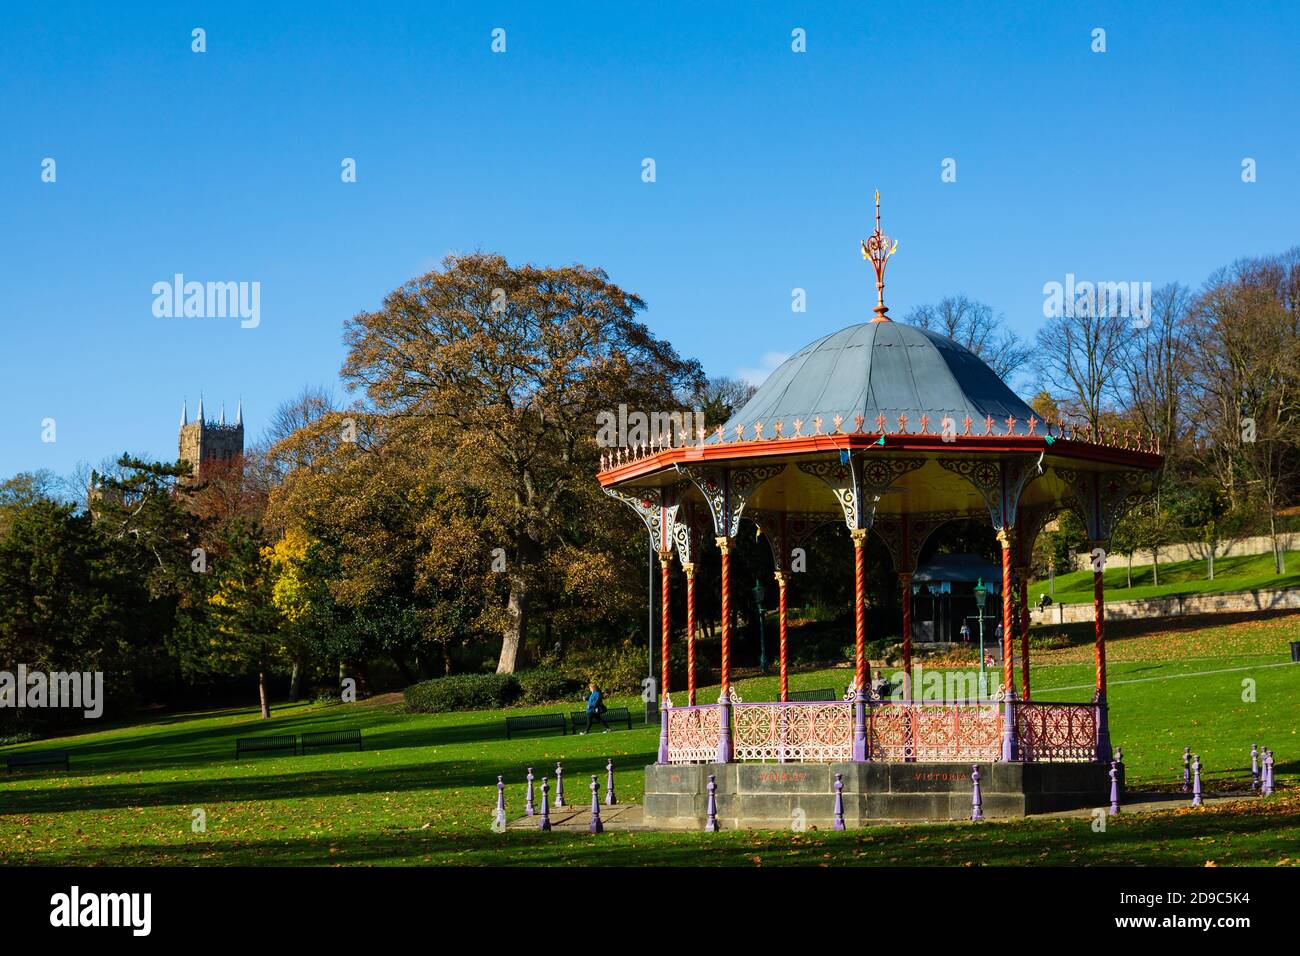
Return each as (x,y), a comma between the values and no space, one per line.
(211,446)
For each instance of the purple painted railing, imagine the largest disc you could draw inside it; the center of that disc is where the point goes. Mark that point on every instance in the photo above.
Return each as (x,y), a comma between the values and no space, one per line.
(822,732)
(693,733)
(1057,733)
(796,732)
(899,731)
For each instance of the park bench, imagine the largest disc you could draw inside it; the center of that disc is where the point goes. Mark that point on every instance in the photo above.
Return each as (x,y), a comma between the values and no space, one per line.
(245,745)
(535,722)
(38,758)
(822,693)
(612,715)
(332,738)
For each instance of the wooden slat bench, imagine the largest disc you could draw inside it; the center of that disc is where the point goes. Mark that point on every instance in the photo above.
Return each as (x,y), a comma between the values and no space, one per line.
(245,745)
(612,715)
(535,722)
(38,758)
(824,693)
(332,738)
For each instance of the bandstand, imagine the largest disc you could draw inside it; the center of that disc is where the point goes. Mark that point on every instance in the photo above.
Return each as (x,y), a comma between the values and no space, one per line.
(895,430)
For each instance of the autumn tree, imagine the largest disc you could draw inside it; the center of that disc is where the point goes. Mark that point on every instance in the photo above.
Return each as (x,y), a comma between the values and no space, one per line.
(1155,368)
(505,369)
(973,325)
(244,624)
(720,398)
(1078,358)
(1245,334)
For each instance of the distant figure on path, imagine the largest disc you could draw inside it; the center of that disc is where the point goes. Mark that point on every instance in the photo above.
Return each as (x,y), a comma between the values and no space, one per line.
(595,707)
(965,632)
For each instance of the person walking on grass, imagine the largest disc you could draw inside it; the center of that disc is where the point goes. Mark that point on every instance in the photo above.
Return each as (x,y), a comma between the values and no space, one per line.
(595,707)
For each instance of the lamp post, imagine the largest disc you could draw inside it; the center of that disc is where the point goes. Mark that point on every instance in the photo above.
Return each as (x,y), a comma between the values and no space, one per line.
(759,594)
(981,595)
(651,700)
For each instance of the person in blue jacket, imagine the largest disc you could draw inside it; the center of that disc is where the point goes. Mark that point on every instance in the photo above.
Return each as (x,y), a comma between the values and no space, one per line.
(595,707)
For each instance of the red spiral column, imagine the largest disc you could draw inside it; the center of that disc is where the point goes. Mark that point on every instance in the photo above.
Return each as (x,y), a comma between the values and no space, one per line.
(1023,574)
(1009,749)
(665,563)
(859,536)
(1099,622)
(905,592)
(860,748)
(1099,632)
(690,633)
(1008,615)
(725,678)
(724,695)
(785,683)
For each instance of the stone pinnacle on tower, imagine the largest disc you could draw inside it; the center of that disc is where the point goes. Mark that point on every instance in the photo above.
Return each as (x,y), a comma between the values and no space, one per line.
(184,415)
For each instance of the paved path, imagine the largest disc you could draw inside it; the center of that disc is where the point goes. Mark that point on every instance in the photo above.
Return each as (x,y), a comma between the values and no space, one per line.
(1151,802)
(628,816)
(621,816)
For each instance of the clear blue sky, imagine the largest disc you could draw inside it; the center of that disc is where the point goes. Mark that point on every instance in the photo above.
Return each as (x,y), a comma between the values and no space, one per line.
(225,165)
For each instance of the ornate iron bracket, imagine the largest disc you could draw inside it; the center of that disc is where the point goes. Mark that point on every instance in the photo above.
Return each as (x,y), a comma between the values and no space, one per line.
(859,484)
(1100,499)
(999,483)
(726,490)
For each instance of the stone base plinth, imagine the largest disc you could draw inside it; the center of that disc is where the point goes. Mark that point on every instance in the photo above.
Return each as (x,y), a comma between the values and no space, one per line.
(775,796)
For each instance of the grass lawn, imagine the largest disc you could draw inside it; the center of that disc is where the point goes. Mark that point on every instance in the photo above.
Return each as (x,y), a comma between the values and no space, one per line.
(1242,573)
(423,791)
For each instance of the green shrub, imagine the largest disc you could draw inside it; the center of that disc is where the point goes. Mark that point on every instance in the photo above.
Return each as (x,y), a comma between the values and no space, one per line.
(542,685)
(819,648)
(1052,642)
(463,692)
(617,670)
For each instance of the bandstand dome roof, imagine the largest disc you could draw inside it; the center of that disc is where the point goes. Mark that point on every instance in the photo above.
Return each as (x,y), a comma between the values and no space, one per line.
(882,368)
(853,426)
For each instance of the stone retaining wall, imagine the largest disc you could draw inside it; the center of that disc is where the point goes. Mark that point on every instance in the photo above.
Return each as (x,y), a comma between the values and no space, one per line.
(1230,602)
(783,796)
(1197,551)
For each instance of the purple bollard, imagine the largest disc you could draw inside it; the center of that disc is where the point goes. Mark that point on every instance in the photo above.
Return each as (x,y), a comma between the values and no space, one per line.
(545,823)
(501,802)
(1268,773)
(711,824)
(1114,787)
(596,826)
(559,785)
(1196,781)
(528,802)
(976,798)
(1187,768)
(1254,767)
(839,801)
(1119,761)
(610,799)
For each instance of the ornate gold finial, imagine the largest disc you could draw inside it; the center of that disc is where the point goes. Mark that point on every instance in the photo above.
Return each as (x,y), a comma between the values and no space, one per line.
(877,248)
